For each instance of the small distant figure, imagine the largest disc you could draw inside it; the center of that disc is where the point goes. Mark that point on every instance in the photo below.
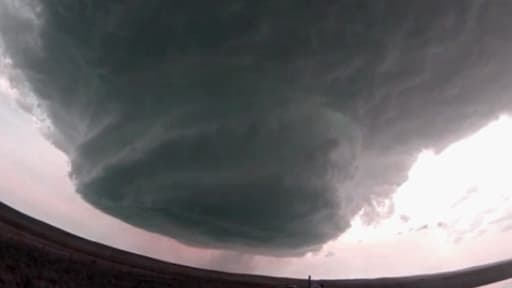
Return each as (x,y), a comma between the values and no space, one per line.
(314,284)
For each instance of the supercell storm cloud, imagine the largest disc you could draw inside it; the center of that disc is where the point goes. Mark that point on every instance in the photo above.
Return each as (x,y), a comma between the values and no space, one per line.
(263,126)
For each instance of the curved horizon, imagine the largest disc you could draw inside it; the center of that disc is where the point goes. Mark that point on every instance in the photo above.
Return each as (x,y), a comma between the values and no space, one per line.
(344,139)
(52,240)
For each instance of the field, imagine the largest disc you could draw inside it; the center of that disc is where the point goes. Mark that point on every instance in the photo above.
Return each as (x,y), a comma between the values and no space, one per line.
(35,254)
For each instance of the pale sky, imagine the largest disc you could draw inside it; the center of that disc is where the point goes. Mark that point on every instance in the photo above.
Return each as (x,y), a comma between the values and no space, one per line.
(454,211)
(367,139)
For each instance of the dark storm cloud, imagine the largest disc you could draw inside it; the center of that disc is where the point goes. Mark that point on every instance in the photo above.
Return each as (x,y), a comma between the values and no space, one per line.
(262,126)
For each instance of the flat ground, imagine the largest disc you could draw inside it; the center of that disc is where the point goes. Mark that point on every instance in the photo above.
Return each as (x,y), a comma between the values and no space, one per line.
(35,254)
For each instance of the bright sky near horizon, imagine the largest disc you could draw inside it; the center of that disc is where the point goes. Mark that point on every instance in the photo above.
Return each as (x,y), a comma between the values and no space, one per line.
(455,209)
(256,139)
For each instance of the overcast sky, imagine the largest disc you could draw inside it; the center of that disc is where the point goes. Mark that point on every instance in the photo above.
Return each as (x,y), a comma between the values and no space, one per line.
(329,140)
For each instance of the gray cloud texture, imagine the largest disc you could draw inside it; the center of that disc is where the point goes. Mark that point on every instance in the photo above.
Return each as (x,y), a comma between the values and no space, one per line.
(262,126)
